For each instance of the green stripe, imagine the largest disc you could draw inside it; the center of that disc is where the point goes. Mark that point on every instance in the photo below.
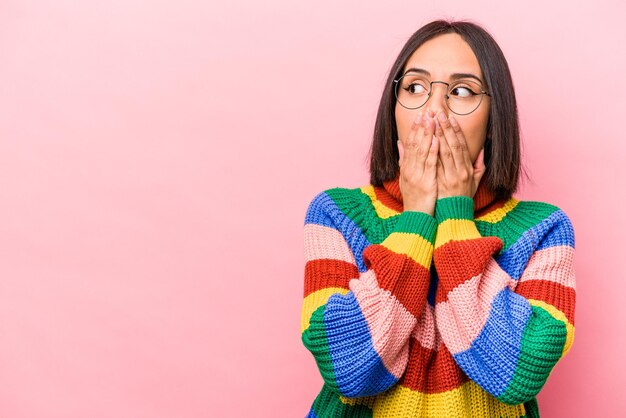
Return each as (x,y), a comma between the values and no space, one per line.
(315,340)
(524,216)
(542,346)
(359,208)
(328,405)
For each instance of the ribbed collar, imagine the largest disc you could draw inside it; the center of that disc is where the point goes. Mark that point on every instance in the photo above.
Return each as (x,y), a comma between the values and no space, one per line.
(483,199)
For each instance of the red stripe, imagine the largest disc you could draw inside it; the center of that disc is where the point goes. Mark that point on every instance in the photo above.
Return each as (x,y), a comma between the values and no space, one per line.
(561,297)
(431,371)
(401,275)
(458,261)
(322,273)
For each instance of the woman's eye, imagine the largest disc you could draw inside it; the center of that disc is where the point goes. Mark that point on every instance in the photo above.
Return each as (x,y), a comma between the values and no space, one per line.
(462,91)
(416,88)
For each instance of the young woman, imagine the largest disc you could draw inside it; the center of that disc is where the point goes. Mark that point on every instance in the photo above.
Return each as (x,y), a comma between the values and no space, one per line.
(433,291)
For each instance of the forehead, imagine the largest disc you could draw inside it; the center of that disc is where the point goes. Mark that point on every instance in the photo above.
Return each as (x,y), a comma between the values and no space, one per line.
(444,55)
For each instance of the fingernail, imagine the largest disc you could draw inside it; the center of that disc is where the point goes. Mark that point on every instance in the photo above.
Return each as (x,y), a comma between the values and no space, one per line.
(453,121)
(442,116)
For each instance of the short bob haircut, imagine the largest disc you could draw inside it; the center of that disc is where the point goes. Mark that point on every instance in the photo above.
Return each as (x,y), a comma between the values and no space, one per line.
(502,144)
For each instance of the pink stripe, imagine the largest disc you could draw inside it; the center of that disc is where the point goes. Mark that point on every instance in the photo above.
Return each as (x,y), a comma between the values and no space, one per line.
(322,242)
(547,264)
(389,322)
(462,317)
(425,331)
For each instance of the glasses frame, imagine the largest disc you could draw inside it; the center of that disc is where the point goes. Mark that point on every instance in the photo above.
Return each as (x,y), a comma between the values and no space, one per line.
(430,92)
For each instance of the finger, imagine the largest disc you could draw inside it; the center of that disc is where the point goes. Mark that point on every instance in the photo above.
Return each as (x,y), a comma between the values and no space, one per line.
(412,136)
(433,155)
(445,153)
(448,132)
(426,139)
(441,175)
(412,148)
(459,145)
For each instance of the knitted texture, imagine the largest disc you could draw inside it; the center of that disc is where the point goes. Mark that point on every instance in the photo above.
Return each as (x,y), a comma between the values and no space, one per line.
(464,314)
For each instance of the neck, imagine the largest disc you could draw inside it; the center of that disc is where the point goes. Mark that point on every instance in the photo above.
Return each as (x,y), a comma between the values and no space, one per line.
(484,198)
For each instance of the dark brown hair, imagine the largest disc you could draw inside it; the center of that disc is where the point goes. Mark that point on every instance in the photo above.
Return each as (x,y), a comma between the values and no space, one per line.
(502,146)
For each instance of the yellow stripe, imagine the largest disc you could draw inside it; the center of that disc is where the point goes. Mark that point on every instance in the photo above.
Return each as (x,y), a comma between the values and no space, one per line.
(314,301)
(455,229)
(497,214)
(412,245)
(469,400)
(382,211)
(557,314)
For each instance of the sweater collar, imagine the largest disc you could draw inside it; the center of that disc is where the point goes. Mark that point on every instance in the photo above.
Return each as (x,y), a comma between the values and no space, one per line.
(483,199)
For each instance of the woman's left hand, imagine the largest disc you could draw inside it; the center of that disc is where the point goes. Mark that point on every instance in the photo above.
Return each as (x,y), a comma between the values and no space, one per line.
(456,175)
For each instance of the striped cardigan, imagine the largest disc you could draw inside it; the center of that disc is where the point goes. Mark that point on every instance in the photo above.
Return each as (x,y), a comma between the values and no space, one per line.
(463,314)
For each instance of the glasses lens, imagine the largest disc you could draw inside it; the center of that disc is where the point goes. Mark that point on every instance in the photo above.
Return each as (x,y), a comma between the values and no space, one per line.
(412,91)
(464,96)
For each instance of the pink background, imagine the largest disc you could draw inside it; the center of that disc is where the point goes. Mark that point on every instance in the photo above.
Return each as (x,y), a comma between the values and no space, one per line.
(157,159)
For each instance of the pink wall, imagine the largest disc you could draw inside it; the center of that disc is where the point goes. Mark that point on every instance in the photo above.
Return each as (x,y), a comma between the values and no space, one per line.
(156,160)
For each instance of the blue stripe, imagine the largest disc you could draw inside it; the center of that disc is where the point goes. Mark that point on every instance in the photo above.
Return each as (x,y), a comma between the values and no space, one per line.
(323,211)
(559,229)
(359,370)
(311,414)
(556,229)
(490,361)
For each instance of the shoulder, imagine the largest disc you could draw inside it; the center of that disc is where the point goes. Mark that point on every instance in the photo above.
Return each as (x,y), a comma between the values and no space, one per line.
(543,220)
(335,202)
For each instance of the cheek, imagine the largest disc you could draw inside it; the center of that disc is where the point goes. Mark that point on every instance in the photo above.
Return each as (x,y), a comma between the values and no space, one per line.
(403,122)
(475,130)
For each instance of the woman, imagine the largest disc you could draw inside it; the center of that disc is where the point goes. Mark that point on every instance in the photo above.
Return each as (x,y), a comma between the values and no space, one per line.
(433,291)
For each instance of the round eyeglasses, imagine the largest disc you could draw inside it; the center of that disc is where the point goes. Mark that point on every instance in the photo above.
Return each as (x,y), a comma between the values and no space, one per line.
(462,96)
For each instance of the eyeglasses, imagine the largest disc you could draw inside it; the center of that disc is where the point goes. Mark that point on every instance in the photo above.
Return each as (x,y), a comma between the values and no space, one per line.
(462,97)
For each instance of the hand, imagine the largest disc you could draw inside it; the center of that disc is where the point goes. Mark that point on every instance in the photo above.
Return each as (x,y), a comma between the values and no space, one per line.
(456,175)
(418,166)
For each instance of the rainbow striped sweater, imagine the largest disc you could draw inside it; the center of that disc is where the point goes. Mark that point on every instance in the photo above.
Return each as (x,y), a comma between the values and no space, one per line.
(464,314)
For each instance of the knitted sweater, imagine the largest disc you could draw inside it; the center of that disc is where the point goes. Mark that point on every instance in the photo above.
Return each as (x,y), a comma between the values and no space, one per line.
(463,314)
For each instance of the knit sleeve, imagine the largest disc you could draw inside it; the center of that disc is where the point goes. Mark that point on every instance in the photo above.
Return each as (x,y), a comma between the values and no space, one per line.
(357,324)
(506,322)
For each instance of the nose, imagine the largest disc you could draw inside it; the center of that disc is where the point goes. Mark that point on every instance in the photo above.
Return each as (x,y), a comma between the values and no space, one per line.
(437,100)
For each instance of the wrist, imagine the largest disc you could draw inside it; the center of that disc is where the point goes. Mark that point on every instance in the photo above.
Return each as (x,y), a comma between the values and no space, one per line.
(429,212)
(454,207)
(455,219)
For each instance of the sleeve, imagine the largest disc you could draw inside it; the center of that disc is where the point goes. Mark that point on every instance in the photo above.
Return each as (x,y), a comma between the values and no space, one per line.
(357,324)
(507,322)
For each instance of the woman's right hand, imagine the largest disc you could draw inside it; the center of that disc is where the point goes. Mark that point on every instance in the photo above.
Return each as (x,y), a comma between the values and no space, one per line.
(418,166)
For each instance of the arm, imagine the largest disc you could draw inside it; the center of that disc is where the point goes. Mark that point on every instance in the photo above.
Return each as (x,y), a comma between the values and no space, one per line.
(357,324)
(506,324)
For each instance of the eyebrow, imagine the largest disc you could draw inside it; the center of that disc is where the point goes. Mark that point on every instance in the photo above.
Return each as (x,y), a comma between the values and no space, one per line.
(454,76)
